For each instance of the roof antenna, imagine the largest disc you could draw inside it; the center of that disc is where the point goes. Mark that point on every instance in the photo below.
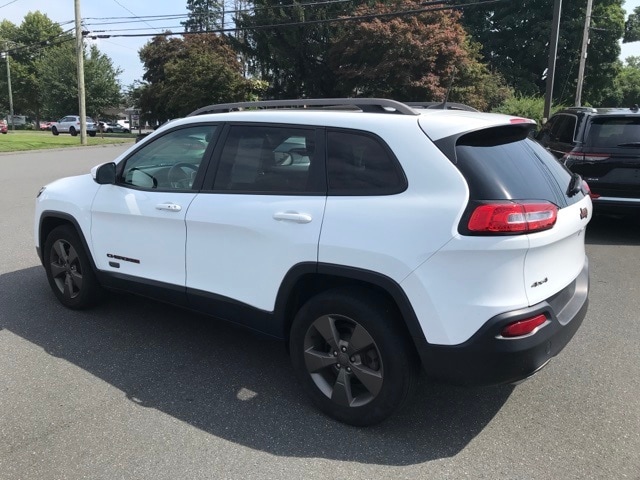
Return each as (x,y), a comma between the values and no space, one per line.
(443,105)
(446,96)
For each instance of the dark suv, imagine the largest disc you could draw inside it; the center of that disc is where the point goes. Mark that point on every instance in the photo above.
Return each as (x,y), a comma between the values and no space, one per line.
(603,146)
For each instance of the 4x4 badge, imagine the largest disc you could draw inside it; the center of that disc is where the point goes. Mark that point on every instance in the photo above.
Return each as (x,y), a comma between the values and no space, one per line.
(584,213)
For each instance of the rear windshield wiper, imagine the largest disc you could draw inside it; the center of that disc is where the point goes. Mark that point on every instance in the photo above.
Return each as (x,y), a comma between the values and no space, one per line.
(575,185)
(629,144)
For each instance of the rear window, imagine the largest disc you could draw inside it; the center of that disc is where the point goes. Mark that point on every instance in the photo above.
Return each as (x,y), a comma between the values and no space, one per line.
(613,131)
(502,163)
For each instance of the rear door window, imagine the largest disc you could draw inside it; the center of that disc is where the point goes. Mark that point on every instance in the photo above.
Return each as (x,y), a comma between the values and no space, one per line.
(270,159)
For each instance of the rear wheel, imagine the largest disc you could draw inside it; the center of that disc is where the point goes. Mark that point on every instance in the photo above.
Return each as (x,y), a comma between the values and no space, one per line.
(73,132)
(350,356)
(69,270)
(54,130)
(92,134)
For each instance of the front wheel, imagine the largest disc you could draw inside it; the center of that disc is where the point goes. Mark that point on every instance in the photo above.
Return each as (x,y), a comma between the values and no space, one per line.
(92,134)
(69,270)
(54,130)
(351,357)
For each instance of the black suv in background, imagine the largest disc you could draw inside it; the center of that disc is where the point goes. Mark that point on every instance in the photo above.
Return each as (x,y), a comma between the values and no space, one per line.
(603,146)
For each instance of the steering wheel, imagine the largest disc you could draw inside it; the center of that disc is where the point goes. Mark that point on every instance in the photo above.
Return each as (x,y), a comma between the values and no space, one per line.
(180,177)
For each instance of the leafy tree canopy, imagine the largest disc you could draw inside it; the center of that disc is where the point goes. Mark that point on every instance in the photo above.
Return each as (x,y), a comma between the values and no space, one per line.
(204,15)
(185,74)
(412,57)
(44,73)
(58,75)
(632,27)
(515,36)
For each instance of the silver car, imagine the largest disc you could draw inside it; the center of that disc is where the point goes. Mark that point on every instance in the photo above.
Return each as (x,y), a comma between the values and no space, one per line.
(71,124)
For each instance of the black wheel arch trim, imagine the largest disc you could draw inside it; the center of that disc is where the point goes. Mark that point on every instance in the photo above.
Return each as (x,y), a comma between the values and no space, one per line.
(390,286)
(66,218)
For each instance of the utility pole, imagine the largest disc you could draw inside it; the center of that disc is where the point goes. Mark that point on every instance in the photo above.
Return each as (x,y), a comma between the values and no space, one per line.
(9,87)
(81,93)
(583,53)
(553,53)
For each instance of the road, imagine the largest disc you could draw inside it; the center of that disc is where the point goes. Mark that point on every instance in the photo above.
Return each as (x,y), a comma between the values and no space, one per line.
(138,390)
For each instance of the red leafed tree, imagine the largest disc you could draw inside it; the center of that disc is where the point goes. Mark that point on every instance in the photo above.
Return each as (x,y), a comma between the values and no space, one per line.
(408,56)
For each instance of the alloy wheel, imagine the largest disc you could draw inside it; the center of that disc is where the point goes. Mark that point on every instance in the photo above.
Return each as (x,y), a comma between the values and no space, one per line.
(343,360)
(66,269)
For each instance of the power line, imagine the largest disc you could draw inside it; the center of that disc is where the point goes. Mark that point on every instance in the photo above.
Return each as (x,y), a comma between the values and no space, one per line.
(130,11)
(304,23)
(6,4)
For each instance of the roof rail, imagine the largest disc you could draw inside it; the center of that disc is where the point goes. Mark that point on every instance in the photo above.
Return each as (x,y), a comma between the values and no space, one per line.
(583,109)
(375,105)
(442,106)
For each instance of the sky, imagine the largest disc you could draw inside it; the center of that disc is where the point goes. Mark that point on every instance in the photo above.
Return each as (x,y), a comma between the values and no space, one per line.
(123,51)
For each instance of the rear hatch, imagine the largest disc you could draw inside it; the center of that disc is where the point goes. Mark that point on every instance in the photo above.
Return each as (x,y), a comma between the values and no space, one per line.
(517,189)
(609,158)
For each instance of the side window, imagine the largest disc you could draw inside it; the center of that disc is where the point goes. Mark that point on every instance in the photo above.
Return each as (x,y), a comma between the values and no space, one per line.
(359,164)
(567,129)
(266,159)
(170,162)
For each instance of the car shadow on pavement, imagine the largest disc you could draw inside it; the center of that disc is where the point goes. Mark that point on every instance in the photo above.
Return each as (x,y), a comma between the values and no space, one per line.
(232,383)
(614,230)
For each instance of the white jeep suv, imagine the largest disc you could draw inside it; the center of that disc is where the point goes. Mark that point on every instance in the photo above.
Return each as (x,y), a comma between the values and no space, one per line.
(371,236)
(71,124)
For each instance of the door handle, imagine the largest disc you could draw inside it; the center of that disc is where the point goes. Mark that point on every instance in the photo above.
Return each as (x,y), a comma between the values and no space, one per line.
(293,217)
(172,207)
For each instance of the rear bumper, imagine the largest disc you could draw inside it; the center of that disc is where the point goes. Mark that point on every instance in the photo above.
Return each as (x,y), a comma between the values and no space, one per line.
(616,205)
(489,359)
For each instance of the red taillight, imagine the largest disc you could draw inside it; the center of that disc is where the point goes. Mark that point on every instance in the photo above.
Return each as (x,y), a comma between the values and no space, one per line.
(584,157)
(523,327)
(587,190)
(513,217)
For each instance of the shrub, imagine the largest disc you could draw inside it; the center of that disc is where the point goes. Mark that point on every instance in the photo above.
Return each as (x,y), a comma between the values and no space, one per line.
(527,107)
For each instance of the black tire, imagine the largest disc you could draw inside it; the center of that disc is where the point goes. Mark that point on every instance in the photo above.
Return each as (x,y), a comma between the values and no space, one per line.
(351,357)
(69,270)
(109,130)
(54,130)
(92,134)
(73,132)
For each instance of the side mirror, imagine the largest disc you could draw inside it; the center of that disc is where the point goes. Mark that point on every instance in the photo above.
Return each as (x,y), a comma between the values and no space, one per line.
(105,174)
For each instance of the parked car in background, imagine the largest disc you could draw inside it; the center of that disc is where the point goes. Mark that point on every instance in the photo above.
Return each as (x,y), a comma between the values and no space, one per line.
(45,125)
(124,124)
(71,124)
(111,127)
(3,127)
(603,146)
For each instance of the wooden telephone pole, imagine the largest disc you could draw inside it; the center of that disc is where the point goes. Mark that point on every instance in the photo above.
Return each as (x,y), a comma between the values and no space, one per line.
(80,61)
(583,53)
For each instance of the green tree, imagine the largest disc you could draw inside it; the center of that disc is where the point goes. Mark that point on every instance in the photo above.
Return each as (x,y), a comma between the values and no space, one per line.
(293,58)
(632,27)
(412,57)
(515,35)
(58,76)
(204,15)
(25,44)
(629,82)
(185,74)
